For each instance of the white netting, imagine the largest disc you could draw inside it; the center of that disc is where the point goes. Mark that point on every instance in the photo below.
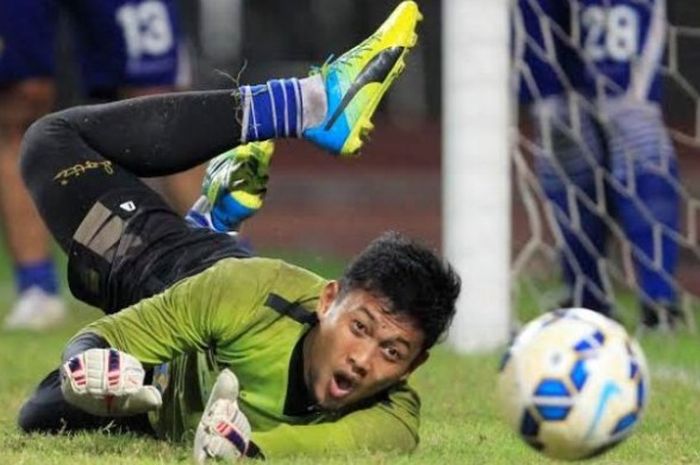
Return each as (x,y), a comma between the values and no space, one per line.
(591,145)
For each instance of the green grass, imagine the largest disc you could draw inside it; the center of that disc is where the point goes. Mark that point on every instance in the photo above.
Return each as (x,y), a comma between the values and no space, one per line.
(460,423)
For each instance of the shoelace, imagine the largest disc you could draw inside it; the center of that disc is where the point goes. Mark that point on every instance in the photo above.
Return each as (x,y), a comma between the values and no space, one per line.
(347,59)
(350,57)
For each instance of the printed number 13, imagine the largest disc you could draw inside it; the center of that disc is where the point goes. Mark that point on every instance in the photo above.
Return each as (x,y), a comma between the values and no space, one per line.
(611,32)
(146,28)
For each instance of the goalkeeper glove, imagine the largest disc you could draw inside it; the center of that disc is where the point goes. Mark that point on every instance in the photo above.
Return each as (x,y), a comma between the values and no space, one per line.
(233,187)
(107,382)
(224,431)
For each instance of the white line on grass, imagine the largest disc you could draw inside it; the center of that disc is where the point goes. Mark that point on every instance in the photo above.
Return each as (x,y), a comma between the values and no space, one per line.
(689,378)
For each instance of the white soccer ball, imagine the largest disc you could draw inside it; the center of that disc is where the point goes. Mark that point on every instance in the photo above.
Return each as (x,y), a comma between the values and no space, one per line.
(573,384)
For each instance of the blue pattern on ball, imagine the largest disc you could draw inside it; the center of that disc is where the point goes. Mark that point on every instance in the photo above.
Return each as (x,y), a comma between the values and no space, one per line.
(634,368)
(579,374)
(625,423)
(553,412)
(552,388)
(528,425)
(641,393)
(585,344)
(599,336)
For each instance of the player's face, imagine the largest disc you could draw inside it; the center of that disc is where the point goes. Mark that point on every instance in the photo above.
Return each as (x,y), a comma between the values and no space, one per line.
(358,348)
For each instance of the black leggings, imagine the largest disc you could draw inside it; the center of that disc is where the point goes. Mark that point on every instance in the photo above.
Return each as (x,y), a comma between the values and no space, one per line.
(72,158)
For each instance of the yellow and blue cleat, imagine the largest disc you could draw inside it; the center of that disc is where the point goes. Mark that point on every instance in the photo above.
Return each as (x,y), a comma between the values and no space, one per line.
(233,188)
(356,81)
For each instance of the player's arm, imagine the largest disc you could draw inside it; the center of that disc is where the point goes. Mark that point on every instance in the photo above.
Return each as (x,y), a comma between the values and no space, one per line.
(195,313)
(103,372)
(233,188)
(391,424)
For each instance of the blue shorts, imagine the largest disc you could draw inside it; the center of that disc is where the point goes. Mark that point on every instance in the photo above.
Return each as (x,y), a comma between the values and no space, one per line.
(117,42)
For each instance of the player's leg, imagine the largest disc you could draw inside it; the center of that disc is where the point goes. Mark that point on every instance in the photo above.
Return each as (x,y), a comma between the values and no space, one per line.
(648,203)
(567,170)
(26,93)
(21,104)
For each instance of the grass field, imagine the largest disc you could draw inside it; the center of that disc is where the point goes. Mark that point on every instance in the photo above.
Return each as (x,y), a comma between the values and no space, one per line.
(460,423)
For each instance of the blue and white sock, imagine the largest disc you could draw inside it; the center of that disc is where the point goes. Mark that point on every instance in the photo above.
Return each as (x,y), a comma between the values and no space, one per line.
(281,108)
(643,158)
(271,110)
(41,274)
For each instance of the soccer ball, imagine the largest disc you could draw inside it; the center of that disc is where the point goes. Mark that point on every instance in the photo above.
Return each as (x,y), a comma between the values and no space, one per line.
(573,383)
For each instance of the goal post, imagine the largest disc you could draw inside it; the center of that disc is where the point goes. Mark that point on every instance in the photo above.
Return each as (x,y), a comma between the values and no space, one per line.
(476,180)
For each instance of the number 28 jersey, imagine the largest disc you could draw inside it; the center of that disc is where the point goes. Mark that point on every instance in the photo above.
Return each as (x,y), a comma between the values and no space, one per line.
(601,48)
(621,45)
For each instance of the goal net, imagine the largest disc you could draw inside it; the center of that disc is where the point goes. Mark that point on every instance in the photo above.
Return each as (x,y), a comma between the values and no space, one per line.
(606,158)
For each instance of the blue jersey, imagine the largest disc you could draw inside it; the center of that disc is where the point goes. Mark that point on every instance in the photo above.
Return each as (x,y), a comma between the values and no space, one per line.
(118,42)
(621,48)
(539,51)
(599,47)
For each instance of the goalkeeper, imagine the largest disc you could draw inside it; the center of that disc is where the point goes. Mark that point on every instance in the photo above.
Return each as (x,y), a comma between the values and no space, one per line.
(245,356)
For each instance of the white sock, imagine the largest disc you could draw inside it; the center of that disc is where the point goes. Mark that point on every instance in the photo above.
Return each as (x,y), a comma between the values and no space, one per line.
(314,102)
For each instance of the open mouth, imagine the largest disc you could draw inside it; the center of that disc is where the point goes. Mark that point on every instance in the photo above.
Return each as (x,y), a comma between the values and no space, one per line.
(341,385)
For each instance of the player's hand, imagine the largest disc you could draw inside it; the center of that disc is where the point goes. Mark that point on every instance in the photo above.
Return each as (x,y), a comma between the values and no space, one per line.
(224,431)
(107,382)
(233,188)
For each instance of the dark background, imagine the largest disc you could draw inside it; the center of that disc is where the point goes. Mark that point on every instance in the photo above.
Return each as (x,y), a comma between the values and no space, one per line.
(322,204)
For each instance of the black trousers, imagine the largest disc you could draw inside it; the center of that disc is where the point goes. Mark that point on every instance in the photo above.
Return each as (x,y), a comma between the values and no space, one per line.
(124,244)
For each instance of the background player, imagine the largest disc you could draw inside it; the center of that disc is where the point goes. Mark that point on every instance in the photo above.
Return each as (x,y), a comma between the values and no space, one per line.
(604,116)
(124,48)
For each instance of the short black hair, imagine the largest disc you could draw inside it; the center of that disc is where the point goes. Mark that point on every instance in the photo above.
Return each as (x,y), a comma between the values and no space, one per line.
(416,281)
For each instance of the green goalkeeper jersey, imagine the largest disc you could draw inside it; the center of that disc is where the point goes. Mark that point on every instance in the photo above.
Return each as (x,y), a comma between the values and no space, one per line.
(250,315)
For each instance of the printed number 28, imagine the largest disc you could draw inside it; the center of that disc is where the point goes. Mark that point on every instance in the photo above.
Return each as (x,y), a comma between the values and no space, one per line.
(612,33)
(146,27)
